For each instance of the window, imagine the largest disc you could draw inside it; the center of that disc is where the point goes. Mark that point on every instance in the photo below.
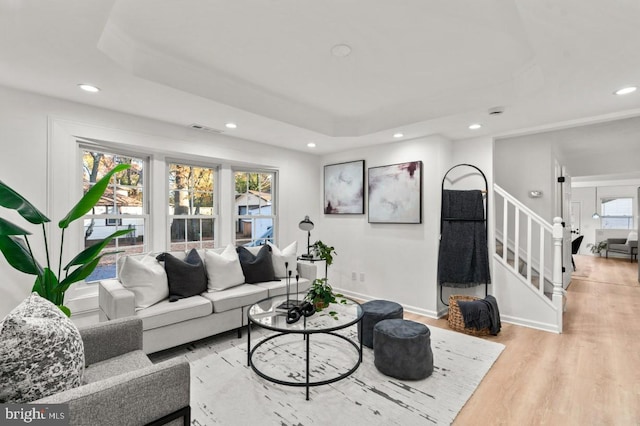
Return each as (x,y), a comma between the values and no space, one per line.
(617,213)
(111,221)
(192,207)
(120,207)
(255,207)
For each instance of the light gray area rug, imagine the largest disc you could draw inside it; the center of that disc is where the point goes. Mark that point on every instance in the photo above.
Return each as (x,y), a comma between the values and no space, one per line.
(225,391)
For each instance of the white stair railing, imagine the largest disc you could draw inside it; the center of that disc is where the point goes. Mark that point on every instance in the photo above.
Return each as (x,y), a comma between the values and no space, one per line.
(534,243)
(559,294)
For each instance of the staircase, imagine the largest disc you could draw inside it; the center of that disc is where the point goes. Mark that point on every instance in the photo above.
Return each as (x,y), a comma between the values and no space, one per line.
(527,265)
(522,270)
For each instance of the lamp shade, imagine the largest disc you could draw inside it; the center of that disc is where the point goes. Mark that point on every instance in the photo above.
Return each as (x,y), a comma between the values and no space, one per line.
(306,224)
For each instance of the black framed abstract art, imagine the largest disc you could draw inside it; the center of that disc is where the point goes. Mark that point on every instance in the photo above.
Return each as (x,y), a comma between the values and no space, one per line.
(344,188)
(395,193)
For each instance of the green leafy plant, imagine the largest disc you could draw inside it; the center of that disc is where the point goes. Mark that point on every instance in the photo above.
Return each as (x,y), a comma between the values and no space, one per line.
(320,292)
(322,251)
(597,248)
(321,295)
(15,246)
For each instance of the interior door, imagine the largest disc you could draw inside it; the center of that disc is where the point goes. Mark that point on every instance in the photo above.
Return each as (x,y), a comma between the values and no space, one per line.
(575,215)
(565,214)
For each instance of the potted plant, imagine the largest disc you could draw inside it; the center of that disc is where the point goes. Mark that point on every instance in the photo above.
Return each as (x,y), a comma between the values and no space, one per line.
(597,248)
(16,248)
(321,293)
(324,252)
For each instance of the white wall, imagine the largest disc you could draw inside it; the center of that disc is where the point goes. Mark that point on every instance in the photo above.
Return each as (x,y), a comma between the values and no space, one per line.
(399,261)
(523,164)
(34,129)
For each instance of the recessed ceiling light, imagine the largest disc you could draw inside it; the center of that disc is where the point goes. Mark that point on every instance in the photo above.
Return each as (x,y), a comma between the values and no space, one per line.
(625,90)
(398,135)
(89,88)
(311,145)
(231,125)
(475,126)
(341,50)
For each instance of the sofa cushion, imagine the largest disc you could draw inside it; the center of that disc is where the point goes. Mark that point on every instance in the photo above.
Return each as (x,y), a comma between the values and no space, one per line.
(278,288)
(166,313)
(624,248)
(281,257)
(633,236)
(256,268)
(42,352)
(186,277)
(120,262)
(126,363)
(146,278)
(236,297)
(223,269)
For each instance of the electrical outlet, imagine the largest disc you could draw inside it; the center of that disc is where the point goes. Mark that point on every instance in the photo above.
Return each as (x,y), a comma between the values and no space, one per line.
(361,276)
(353,276)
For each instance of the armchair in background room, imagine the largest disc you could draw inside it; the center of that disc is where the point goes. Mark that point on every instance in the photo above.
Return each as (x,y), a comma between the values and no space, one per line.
(628,246)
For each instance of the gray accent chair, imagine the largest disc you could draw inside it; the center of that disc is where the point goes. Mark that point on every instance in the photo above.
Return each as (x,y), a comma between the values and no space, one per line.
(619,245)
(121,385)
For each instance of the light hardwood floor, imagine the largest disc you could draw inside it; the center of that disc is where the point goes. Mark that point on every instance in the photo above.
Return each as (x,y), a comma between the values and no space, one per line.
(588,375)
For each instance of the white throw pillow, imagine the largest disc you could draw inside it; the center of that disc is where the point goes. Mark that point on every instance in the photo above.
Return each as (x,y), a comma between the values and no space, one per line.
(146,278)
(279,257)
(633,236)
(223,269)
(41,350)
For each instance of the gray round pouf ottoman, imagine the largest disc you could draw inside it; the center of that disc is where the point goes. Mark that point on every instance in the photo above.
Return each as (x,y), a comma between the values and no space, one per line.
(402,349)
(373,312)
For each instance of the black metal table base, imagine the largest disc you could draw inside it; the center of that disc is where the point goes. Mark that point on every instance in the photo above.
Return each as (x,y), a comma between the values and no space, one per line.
(307,384)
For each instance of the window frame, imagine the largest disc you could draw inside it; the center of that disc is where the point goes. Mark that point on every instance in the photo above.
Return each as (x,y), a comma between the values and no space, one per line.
(273,203)
(629,218)
(215,215)
(114,220)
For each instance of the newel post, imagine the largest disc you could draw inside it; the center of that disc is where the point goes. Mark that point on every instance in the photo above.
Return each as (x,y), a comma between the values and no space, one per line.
(558,291)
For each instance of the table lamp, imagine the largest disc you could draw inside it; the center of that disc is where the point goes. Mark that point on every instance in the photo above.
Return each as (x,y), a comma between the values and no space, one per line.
(307,225)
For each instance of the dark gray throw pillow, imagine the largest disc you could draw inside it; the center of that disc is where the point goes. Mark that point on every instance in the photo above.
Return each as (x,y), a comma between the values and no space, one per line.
(186,277)
(258,268)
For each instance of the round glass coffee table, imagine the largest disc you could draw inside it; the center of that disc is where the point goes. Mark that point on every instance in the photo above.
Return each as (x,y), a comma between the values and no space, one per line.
(270,314)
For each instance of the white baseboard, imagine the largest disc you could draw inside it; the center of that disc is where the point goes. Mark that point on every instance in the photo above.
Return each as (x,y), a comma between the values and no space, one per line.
(408,308)
(552,328)
(424,312)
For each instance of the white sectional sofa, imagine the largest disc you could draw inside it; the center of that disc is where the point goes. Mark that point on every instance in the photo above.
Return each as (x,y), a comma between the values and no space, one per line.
(167,324)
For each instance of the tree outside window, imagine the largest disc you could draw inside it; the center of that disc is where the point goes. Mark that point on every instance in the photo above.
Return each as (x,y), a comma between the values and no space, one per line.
(120,207)
(192,207)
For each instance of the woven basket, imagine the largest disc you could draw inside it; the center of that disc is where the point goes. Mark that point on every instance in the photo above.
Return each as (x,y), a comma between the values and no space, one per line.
(456,322)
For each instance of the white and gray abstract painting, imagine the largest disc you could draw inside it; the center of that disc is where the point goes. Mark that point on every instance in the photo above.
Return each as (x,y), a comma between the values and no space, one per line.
(395,193)
(344,188)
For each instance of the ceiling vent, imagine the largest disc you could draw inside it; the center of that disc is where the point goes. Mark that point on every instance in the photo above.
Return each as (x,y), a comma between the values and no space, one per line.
(205,128)
(496,110)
